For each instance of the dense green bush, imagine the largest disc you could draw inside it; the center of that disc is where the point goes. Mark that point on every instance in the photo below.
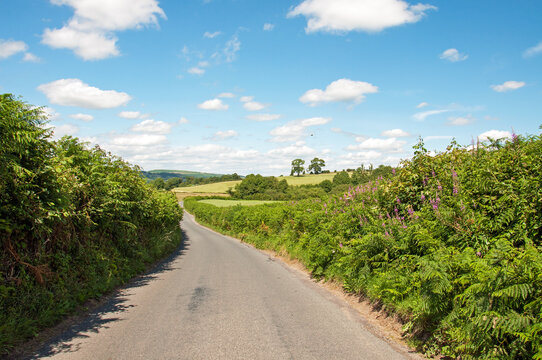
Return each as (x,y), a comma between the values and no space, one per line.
(451,243)
(74,223)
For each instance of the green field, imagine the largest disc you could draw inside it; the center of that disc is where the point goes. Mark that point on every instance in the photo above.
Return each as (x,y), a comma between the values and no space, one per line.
(219,188)
(228,203)
(222,187)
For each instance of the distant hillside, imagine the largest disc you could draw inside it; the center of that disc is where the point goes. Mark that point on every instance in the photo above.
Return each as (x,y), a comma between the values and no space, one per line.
(168,174)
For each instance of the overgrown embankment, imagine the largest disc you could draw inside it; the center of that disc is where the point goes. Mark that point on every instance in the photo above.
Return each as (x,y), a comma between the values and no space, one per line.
(74,223)
(451,243)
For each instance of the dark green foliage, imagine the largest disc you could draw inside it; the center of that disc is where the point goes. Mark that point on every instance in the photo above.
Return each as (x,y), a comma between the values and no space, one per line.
(297,167)
(451,243)
(316,166)
(342,178)
(74,223)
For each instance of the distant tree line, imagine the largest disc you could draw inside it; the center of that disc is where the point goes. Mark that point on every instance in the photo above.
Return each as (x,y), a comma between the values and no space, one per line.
(173,182)
(258,187)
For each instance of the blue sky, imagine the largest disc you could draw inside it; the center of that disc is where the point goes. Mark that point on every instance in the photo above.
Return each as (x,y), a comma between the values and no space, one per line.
(247,86)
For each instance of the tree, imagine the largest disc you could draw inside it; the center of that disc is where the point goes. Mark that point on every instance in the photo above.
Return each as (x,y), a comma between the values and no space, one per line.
(297,166)
(316,165)
(342,178)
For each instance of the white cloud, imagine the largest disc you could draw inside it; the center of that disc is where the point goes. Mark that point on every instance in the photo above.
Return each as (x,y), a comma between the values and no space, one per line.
(138,140)
(460,120)
(295,130)
(533,51)
(50,113)
(395,133)
(495,135)
(508,86)
(232,48)
(254,106)
(222,135)
(453,55)
(421,116)
(292,151)
(213,104)
(82,117)
(211,35)
(386,145)
(345,90)
(29,57)
(90,33)
(358,15)
(263,117)
(153,126)
(228,95)
(196,71)
(246,98)
(268,27)
(65,129)
(131,115)
(11,47)
(74,92)
(422,105)
(183,120)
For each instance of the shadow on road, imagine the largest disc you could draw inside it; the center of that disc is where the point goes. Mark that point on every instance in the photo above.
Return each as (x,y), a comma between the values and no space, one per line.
(106,313)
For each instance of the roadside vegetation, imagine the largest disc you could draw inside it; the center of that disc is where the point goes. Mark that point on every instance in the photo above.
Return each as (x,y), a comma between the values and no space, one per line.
(449,243)
(228,203)
(74,223)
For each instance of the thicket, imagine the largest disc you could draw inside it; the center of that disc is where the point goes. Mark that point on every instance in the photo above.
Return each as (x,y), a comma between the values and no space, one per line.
(74,223)
(450,243)
(258,187)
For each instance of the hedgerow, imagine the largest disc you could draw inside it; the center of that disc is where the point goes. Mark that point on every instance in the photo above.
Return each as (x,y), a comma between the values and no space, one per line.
(450,243)
(74,223)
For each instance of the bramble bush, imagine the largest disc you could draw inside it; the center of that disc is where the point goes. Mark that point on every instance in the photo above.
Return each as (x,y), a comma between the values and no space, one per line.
(74,223)
(450,243)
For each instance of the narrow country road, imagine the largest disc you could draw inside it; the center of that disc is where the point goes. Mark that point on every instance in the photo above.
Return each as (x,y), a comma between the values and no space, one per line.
(220,299)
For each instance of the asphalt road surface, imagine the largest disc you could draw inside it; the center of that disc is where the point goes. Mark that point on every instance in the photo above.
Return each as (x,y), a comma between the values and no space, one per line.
(217,298)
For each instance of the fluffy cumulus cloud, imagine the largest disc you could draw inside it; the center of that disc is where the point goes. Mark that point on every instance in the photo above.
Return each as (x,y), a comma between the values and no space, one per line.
(90,33)
(138,140)
(268,27)
(74,92)
(453,55)
(344,90)
(183,120)
(294,150)
(246,98)
(386,145)
(222,135)
(395,133)
(533,51)
(508,86)
(358,15)
(495,135)
(227,95)
(11,47)
(131,115)
(153,126)
(213,104)
(254,106)
(295,130)
(64,129)
(263,117)
(82,117)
